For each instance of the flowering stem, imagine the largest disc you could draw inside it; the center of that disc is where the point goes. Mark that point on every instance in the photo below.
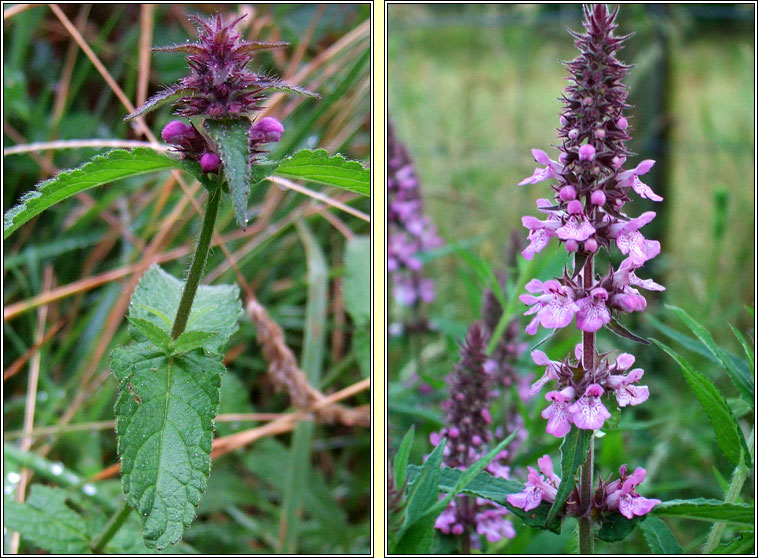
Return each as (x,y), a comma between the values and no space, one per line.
(586,539)
(198,264)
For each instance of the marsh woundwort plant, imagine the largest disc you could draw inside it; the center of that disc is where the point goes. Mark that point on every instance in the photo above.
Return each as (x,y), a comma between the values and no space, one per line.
(586,216)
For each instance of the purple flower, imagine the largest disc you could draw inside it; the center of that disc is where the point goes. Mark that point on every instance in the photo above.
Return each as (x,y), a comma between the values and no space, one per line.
(631,242)
(626,393)
(538,487)
(631,178)
(551,370)
(588,412)
(587,152)
(210,162)
(491,522)
(558,416)
(622,496)
(554,308)
(593,312)
(177,131)
(553,169)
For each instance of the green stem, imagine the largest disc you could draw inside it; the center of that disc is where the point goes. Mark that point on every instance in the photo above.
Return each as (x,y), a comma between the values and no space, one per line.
(111,528)
(198,264)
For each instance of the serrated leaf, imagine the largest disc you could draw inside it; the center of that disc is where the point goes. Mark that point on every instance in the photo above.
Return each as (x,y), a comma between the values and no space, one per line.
(621,331)
(159,99)
(728,433)
(659,537)
(216,309)
(101,169)
(574,450)
(164,423)
(745,347)
(46,520)
(151,332)
(318,166)
(616,527)
(357,285)
(708,510)
(424,491)
(230,136)
(279,85)
(741,379)
(191,340)
(401,458)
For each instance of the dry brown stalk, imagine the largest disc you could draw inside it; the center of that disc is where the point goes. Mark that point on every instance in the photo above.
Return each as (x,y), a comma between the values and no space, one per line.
(285,373)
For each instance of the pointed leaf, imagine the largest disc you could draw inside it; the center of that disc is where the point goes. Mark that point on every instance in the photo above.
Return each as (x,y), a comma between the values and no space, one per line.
(230,136)
(741,379)
(728,433)
(164,423)
(159,99)
(745,347)
(253,46)
(318,166)
(708,510)
(424,491)
(574,450)
(47,521)
(152,333)
(621,331)
(216,309)
(616,527)
(483,485)
(401,458)
(279,85)
(99,170)
(659,537)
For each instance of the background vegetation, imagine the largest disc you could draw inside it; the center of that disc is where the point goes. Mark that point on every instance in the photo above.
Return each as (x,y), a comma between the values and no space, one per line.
(68,275)
(471,90)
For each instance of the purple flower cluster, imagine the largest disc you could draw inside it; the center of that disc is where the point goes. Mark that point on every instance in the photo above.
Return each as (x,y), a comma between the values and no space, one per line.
(219,86)
(468,420)
(409,231)
(586,215)
(619,495)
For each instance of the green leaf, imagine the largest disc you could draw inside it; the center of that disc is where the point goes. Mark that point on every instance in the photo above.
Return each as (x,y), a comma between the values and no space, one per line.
(101,169)
(357,286)
(483,485)
(215,310)
(743,543)
(230,137)
(659,537)
(46,520)
(745,347)
(621,331)
(741,379)
(164,423)
(708,510)
(159,99)
(401,458)
(157,336)
(318,166)
(616,527)
(574,449)
(728,433)
(362,349)
(191,340)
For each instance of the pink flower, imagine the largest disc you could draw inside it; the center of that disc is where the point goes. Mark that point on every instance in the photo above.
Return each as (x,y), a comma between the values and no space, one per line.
(626,276)
(492,524)
(593,312)
(625,499)
(626,393)
(554,308)
(577,227)
(537,488)
(588,412)
(631,178)
(551,372)
(586,152)
(266,130)
(631,242)
(553,169)
(557,413)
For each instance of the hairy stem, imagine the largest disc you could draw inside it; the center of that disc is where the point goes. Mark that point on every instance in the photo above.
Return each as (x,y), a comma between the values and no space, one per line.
(586,539)
(111,528)
(198,264)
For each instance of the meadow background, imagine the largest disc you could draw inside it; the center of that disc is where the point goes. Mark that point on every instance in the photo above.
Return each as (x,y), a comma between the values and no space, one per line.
(68,274)
(471,89)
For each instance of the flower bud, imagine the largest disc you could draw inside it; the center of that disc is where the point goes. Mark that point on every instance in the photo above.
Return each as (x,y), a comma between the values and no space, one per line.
(621,123)
(600,133)
(568,193)
(573,133)
(586,152)
(267,130)
(590,245)
(575,207)
(175,131)
(210,162)
(572,245)
(598,197)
